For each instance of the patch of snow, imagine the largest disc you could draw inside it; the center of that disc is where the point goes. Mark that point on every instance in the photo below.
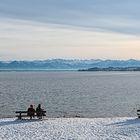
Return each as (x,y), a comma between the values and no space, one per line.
(70,129)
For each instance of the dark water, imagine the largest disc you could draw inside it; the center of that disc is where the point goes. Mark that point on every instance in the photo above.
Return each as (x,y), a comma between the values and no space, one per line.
(70,94)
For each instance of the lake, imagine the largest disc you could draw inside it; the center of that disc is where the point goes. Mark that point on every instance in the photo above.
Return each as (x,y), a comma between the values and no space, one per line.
(71,93)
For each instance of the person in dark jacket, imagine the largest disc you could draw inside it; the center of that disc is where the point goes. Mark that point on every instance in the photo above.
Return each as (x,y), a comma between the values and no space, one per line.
(39,112)
(31,111)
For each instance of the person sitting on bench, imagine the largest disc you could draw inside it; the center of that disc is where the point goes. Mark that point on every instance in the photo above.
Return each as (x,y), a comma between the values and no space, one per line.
(39,112)
(31,111)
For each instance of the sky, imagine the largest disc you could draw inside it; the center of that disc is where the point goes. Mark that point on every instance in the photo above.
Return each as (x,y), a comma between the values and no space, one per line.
(69,29)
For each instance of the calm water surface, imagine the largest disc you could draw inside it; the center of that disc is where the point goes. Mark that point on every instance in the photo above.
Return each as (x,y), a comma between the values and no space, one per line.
(67,94)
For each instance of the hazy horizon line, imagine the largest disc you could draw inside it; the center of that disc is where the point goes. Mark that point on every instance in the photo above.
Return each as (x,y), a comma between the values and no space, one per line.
(71,59)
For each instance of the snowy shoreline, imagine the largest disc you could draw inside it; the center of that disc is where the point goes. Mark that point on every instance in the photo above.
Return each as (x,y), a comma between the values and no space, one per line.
(125,128)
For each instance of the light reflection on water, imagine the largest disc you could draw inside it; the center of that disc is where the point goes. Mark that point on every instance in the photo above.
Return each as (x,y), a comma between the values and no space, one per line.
(70,94)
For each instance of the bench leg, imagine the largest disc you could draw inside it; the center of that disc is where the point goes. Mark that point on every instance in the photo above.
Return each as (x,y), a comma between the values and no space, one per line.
(19,116)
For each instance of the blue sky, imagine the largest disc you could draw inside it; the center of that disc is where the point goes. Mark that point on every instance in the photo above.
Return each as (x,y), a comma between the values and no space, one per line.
(41,29)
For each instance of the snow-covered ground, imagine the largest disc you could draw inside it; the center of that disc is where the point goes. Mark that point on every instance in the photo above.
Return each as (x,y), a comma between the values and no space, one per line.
(70,129)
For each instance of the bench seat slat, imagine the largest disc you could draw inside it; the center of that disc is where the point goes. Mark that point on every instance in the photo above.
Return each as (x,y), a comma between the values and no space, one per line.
(21,112)
(27,115)
(21,116)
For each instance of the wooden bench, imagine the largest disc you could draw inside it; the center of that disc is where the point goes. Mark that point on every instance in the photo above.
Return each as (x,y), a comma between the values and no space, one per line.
(21,114)
(138,113)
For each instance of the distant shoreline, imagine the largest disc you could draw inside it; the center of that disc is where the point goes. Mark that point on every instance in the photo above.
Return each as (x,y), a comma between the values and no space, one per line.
(112,69)
(94,69)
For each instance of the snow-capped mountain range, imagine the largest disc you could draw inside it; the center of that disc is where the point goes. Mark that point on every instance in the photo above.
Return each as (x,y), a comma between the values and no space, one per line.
(64,64)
